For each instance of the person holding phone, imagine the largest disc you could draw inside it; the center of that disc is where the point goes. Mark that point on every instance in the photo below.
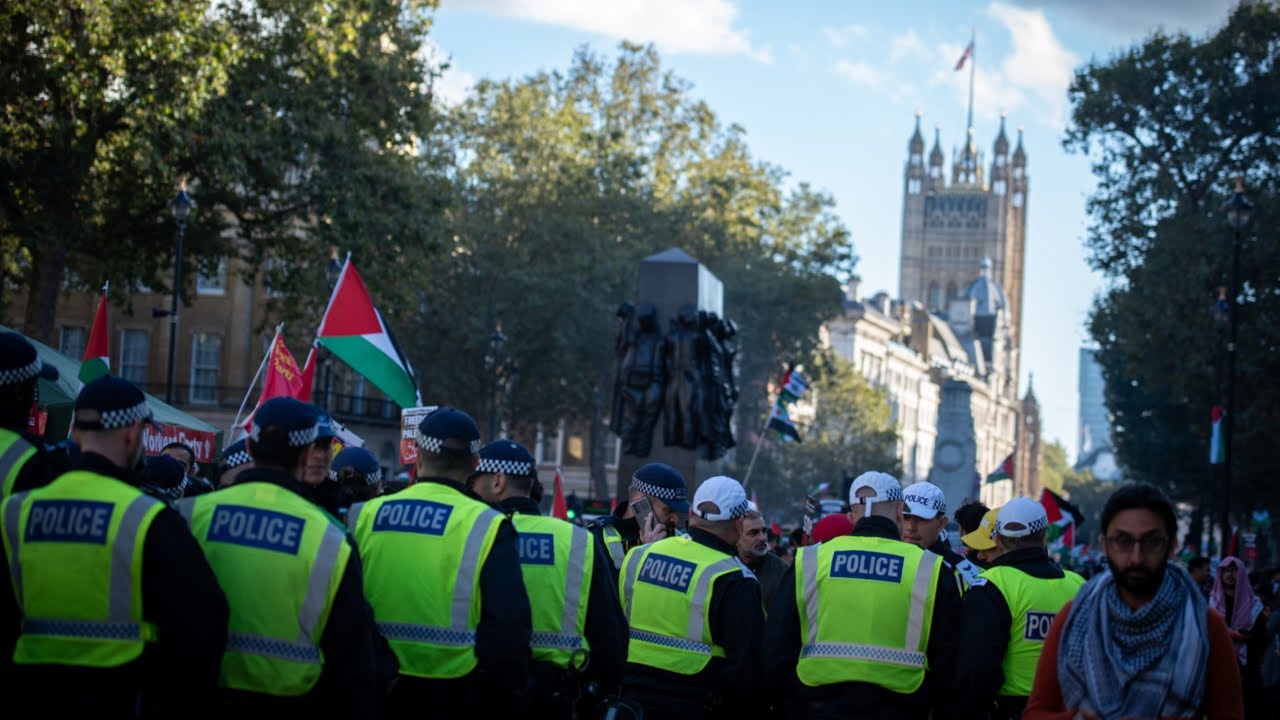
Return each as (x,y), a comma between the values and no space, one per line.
(657,499)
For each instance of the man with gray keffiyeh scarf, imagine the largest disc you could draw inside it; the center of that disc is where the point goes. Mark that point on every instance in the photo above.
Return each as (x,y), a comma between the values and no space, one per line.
(1140,640)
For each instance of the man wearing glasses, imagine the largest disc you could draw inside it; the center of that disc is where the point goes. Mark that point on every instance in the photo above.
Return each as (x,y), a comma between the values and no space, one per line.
(1139,641)
(1006,614)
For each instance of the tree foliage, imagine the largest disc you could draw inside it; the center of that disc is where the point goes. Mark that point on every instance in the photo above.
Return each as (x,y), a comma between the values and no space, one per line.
(1168,124)
(564,182)
(1079,486)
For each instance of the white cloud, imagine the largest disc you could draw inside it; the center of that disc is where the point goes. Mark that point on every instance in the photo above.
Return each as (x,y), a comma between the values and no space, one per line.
(454,84)
(861,74)
(700,27)
(840,37)
(1040,65)
(992,92)
(906,45)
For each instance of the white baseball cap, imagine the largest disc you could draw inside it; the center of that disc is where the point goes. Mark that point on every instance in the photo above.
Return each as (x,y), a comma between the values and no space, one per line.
(1020,517)
(726,493)
(886,487)
(924,500)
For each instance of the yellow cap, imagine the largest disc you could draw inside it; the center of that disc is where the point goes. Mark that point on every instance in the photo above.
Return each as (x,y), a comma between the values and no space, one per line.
(981,538)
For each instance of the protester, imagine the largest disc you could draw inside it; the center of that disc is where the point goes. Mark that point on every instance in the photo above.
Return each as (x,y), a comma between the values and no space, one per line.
(301,640)
(1198,569)
(924,522)
(831,526)
(235,460)
(1006,614)
(443,576)
(193,483)
(579,634)
(322,489)
(663,494)
(72,646)
(753,551)
(1242,609)
(695,616)
(26,462)
(163,477)
(1139,641)
(981,541)
(855,636)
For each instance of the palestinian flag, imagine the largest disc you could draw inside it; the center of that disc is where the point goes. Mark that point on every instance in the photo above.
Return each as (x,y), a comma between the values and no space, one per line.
(1004,472)
(1216,447)
(97,352)
(1064,518)
(793,385)
(353,330)
(781,422)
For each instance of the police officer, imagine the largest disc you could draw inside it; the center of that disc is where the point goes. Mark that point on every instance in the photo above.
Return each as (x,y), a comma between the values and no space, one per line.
(664,498)
(924,522)
(868,629)
(358,475)
(235,460)
(1007,613)
(301,638)
(117,613)
(579,636)
(695,614)
(981,541)
(25,461)
(443,576)
(322,488)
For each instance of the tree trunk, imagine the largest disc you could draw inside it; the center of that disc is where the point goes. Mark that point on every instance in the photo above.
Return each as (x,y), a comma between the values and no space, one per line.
(49,267)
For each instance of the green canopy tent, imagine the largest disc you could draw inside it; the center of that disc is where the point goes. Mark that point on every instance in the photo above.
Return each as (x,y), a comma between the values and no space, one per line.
(58,398)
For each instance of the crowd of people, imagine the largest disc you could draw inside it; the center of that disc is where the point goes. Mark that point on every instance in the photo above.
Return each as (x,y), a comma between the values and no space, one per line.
(306,585)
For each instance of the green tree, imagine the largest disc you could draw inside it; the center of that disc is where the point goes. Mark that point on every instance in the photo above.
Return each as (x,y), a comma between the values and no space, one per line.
(851,431)
(564,182)
(296,124)
(1167,124)
(1080,487)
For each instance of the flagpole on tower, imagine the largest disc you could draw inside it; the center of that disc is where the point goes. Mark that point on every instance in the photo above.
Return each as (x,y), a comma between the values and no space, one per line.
(973,62)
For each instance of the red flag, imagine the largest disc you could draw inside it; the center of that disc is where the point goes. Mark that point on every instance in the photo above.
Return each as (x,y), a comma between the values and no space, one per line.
(776,528)
(97,353)
(283,378)
(559,509)
(308,376)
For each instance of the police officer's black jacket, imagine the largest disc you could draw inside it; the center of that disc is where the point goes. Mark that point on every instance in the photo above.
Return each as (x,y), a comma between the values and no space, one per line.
(861,700)
(606,628)
(348,684)
(180,596)
(944,549)
(501,681)
(984,631)
(44,466)
(737,625)
(627,527)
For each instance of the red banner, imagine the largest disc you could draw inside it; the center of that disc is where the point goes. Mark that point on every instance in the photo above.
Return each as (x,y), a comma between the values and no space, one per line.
(205,444)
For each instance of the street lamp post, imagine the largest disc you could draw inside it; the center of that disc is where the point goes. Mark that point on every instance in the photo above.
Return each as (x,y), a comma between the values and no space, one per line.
(493,362)
(1237,209)
(181,205)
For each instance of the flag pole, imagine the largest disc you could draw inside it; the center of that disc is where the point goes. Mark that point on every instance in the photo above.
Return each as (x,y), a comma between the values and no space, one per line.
(973,63)
(236,423)
(750,466)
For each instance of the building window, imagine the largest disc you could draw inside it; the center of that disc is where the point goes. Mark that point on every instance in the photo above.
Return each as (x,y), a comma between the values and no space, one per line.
(1017,199)
(934,296)
(212,283)
(72,341)
(135,345)
(357,395)
(913,186)
(997,187)
(612,449)
(206,366)
(952,293)
(548,450)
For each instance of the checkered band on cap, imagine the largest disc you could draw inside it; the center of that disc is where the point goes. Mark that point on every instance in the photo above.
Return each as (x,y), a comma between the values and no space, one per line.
(436,445)
(738,510)
(1030,528)
(506,467)
(236,459)
(371,478)
(12,376)
(125,417)
(890,495)
(662,493)
(297,438)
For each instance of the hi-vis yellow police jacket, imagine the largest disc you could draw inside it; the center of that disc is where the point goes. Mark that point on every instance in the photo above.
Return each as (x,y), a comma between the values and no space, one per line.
(75,560)
(866,609)
(423,549)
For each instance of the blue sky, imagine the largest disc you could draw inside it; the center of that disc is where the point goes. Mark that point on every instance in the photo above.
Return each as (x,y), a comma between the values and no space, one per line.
(829,91)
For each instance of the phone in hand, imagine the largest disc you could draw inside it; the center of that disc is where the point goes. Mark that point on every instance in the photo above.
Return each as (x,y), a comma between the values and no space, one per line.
(643,509)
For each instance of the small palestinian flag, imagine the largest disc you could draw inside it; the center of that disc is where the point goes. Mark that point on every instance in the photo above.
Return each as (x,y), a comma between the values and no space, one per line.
(97,353)
(781,422)
(1004,472)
